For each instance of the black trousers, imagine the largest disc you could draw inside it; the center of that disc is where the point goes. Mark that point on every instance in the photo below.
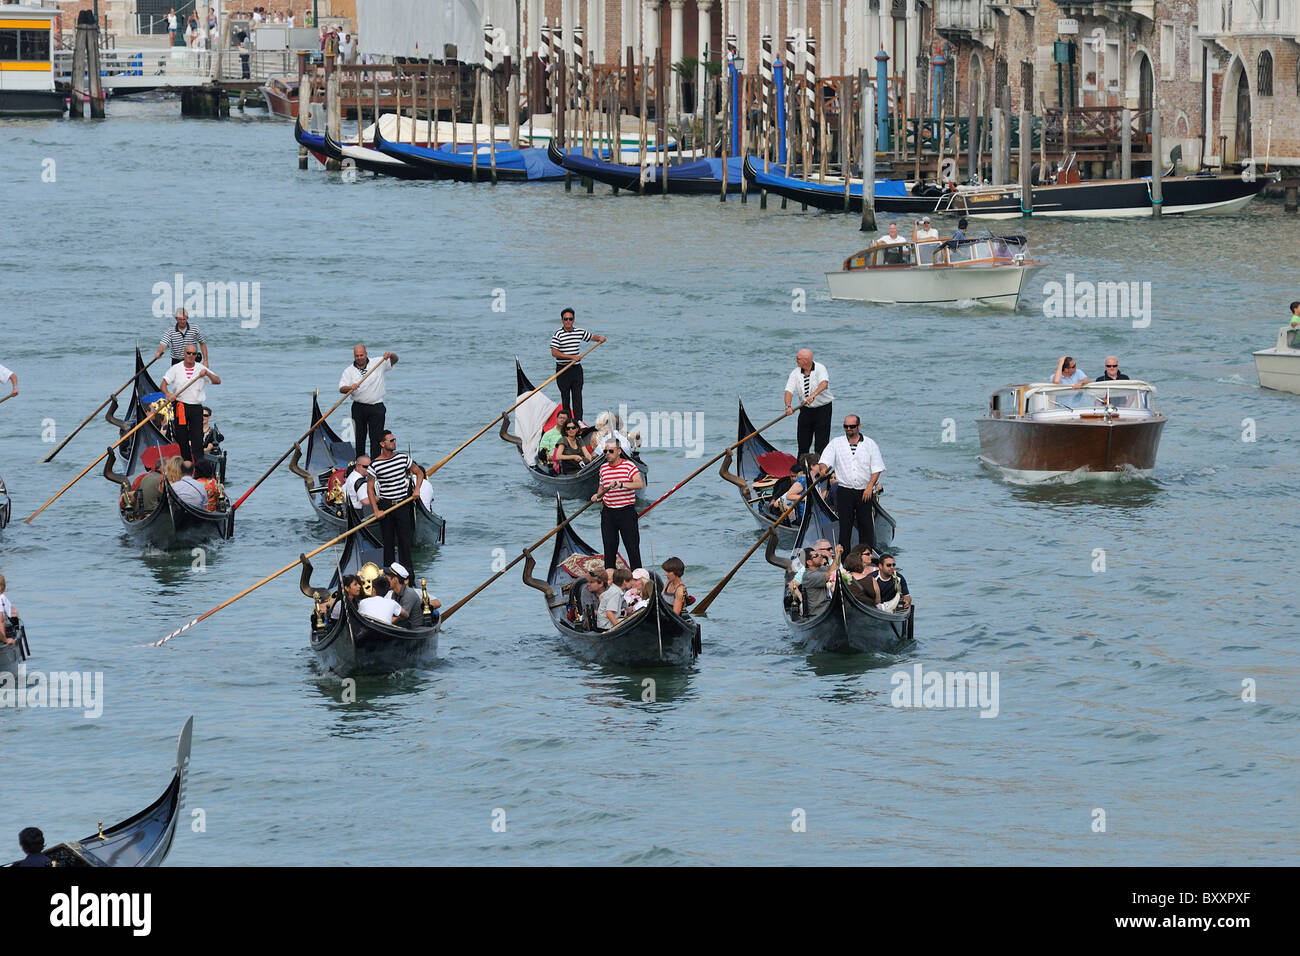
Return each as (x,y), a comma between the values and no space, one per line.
(620,521)
(399,531)
(854,512)
(814,428)
(570,384)
(190,435)
(368,417)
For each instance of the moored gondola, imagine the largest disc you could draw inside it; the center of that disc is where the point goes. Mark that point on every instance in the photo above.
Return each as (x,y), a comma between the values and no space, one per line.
(533,417)
(354,644)
(328,460)
(172,522)
(141,840)
(846,623)
(702,177)
(891,195)
(373,161)
(511,165)
(651,637)
(757,488)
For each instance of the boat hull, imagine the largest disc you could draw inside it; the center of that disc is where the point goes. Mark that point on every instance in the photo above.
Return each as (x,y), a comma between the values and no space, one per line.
(32,103)
(1277,370)
(11,655)
(1113,199)
(355,645)
(174,525)
(1037,450)
(847,626)
(998,286)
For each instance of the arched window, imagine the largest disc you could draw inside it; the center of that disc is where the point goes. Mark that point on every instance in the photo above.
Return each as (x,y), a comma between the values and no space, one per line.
(1264,80)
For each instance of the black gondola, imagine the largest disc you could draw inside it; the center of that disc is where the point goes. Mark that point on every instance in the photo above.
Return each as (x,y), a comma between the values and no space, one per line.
(701,177)
(353,644)
(846,624)
(329,458)
(512,165)
(11,655)
(173,523)
(756,487)
(652,637)
(580,484)
(141,840)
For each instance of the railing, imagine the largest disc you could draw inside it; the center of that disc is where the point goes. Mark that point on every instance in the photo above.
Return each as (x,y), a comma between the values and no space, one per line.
(1249,17)
(963,15)
(135,67)
(1095,126)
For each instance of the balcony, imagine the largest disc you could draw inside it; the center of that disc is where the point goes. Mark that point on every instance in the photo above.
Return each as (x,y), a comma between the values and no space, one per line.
(1243,18)
(1113,10)
(965,20)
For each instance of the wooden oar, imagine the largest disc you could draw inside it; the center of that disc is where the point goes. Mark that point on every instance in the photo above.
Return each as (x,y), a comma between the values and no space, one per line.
(314,425)
(536,544)
(722,454)
(703,605)
(478,433)
(288,567)
(145,420)
(59,447)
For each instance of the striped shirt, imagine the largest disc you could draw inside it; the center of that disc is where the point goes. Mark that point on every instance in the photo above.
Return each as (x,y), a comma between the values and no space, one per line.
(624,471)
(801,384)
(392,477)
(176,340)
(569,342)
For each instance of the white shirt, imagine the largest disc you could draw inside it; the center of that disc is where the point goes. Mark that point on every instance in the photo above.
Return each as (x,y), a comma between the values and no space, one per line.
(191,492)
(290,20)
(178,376)
(931,233)
(893,241)
(360,497)
(257,16)
(372,391)
(6,608)
(619,437)
(795,386)
(853,465)
(378,608)
(5,374)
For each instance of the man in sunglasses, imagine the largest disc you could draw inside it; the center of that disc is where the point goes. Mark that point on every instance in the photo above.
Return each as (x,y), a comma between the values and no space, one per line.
(619,480)
(1112,372)
(890,590)
(180,337)
(189,413)
(1068,373)
(858,465)
(566,347)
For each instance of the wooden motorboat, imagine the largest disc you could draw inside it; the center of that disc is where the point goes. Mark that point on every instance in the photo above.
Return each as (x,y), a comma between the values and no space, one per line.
(1038,431)
(990,269)
(1278,367)
(141,840)
(281,92)
(651,637)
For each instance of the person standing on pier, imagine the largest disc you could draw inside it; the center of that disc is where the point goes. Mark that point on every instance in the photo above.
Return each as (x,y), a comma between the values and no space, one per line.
(566,346)
(11,377)
(619,480)
(180,336)
(386,485)
(368,409)
(171,27)
(189,413)
(857,464)
(811,385)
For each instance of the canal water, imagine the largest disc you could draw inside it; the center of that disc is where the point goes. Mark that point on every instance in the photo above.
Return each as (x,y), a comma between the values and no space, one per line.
(1141,632)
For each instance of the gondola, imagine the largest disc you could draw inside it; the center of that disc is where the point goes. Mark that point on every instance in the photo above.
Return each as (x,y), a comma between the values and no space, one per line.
(314,143)
(373,161)
(580,484)
(141,840)
(144,393)
(11,655)
(891,195)
(846,624)
(700,178)
(6,507)
(752,482)
(173,523)
(352,644)
(329,459)
(512,165)
(652,637)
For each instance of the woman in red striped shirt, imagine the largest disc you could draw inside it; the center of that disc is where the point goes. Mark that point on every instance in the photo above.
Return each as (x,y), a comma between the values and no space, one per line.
(619,480)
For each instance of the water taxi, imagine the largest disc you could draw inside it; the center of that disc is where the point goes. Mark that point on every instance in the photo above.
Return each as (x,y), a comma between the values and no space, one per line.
(27,62)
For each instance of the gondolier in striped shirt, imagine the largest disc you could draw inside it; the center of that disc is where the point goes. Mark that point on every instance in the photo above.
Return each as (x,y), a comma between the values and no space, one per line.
(619,480)
(390,481)
(857,464)
(181,334)
(189,411)
(810,385)
(368,408)
(566,346)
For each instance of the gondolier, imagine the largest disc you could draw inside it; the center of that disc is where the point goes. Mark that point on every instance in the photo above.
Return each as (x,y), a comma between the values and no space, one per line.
(810,384)
(11,377)
(180,335)
(189,413)
(857,464)
(368,409)
(388,483)
(566,346)
(619,480)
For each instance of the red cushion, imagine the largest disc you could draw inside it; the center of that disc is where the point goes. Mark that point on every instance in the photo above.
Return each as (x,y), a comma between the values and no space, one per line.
(154,452)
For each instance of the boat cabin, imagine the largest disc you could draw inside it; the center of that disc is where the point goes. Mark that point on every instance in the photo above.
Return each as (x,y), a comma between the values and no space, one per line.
(1108,401)
(940,253)
(27,62)
(1288,339)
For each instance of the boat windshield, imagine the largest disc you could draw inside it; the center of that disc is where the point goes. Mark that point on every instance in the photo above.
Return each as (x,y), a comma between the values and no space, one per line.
(1293,338)
(894,254)
(925,251)
(1096,396)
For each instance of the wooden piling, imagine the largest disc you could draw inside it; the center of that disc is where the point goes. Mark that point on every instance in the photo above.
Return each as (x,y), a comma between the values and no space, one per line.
(868,223)
(1026,163)
(1157,172)
(1126,144)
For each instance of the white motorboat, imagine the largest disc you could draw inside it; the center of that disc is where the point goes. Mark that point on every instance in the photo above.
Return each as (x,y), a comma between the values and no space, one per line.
(1279,367)
(989,269)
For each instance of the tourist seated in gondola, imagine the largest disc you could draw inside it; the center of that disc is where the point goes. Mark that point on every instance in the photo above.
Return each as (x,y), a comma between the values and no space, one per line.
(212,437)
(550,438)
(149,490)
(398,590)
(205,473)
(333,607)
(811,586)
(426,488)
(354,486)
(7,610)
(610,601)
(856,576)
(32,842)
(890,587)
(569,454)
(674,586)
(380,608)
(189,489)
(789,492)
(608,425)
(622,581)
